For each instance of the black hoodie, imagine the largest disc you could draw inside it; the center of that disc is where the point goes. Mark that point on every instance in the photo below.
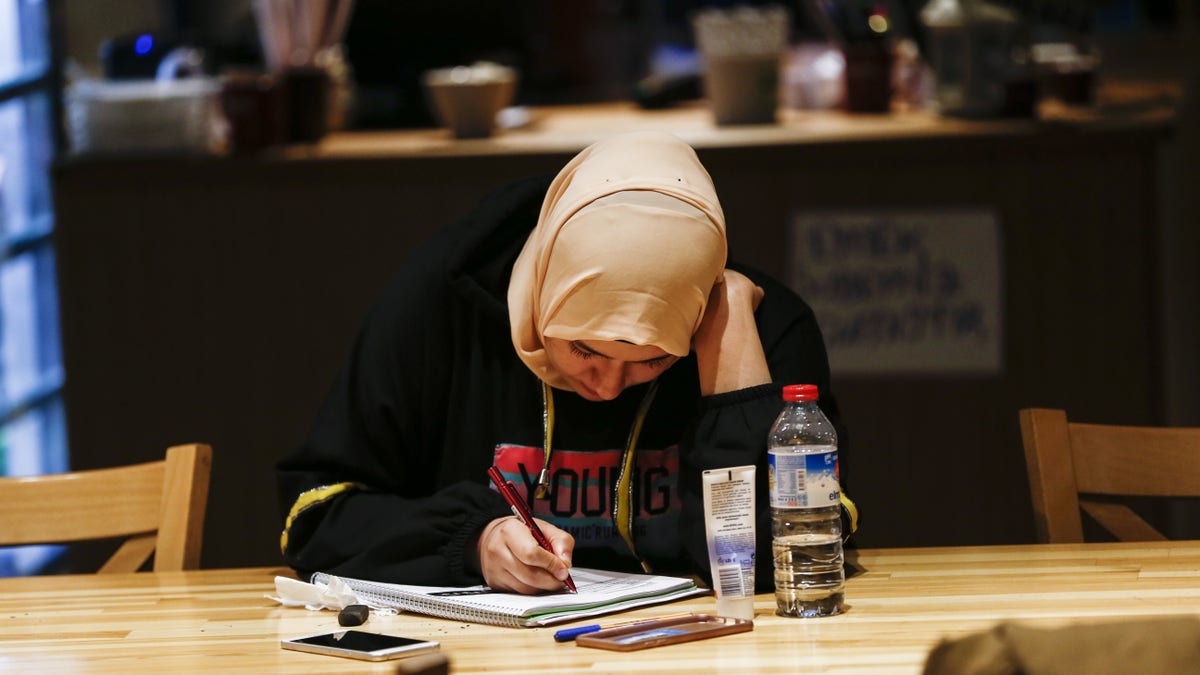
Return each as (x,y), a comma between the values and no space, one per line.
(391,484)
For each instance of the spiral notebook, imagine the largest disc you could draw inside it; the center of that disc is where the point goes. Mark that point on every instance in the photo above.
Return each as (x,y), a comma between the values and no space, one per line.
(600,592)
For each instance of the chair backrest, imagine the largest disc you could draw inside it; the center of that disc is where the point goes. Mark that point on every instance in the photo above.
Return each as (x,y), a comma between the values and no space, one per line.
(158,506)
(1074,466)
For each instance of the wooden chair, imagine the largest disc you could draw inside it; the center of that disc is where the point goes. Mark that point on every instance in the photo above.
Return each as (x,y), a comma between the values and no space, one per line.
(1075,466)
(158,505)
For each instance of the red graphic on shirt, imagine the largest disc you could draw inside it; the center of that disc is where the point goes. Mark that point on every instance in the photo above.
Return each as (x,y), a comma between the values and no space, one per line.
(581,491)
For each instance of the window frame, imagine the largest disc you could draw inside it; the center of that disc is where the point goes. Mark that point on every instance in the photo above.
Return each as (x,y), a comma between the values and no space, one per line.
(22,84)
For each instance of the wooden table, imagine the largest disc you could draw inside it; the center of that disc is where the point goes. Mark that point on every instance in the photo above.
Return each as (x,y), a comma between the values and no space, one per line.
(901,602)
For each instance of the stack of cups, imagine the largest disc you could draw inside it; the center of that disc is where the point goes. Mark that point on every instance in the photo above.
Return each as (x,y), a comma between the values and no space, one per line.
(741,49)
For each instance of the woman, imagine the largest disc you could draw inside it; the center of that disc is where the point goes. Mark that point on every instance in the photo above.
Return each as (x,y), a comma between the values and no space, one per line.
(610,346)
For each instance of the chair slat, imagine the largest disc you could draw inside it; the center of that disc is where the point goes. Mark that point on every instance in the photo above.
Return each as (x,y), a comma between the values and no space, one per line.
(1121,521)
(131,556)
(1051,470)
(81,505)
(1138,460)
(185,500)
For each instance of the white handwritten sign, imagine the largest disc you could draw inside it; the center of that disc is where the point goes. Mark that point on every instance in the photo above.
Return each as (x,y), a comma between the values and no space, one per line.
(902,291)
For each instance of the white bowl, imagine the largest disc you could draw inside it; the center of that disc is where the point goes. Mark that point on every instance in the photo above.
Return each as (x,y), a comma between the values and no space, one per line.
(465,99)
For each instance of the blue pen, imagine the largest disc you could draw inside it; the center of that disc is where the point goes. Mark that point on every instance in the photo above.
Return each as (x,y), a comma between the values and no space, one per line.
(568,634)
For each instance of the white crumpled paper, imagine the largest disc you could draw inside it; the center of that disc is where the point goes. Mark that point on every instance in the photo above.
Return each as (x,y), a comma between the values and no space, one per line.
(336,595)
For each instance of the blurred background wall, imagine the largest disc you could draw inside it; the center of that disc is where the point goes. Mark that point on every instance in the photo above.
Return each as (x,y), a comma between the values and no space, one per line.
(212,299)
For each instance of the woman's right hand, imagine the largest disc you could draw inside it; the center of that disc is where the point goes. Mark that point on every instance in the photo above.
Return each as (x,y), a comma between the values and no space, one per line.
(511,559)
(729,352)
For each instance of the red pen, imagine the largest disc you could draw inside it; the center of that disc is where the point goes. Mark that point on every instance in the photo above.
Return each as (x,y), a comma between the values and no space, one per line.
(519,508)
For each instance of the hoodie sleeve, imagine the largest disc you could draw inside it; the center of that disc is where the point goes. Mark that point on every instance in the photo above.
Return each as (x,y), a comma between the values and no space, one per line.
(731,428)
(355,496)
(361,497)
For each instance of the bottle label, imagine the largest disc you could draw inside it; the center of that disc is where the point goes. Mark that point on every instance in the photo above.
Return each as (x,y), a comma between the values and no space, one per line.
(803,480)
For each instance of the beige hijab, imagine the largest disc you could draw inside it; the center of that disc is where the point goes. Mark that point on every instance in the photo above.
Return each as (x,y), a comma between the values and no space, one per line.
(629,242)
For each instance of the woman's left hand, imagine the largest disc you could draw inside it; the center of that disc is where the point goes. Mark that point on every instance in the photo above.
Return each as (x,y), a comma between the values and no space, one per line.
(729,353)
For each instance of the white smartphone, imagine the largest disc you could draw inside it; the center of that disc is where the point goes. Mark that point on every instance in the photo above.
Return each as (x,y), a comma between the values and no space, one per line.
(357,644)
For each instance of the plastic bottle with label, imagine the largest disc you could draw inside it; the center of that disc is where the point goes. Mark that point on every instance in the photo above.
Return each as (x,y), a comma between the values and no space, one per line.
(806,526)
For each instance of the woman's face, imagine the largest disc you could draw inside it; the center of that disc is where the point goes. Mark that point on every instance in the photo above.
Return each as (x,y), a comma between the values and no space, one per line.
(599,370)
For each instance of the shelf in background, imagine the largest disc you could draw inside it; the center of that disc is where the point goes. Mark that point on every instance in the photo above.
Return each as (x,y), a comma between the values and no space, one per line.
(567,129)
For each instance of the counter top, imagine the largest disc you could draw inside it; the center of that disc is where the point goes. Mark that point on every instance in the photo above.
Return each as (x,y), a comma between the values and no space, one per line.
(568,129)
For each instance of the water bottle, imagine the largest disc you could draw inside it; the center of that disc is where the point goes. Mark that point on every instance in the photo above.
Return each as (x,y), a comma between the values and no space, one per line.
(806,524)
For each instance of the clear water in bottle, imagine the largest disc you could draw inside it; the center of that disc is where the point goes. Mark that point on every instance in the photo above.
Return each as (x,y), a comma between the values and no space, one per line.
(806,524)
(809,572)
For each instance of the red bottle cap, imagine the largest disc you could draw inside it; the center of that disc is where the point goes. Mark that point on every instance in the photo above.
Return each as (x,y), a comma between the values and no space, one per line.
(800,392)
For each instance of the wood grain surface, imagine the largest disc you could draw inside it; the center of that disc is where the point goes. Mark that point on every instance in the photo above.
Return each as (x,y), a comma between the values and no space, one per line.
(901,603)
